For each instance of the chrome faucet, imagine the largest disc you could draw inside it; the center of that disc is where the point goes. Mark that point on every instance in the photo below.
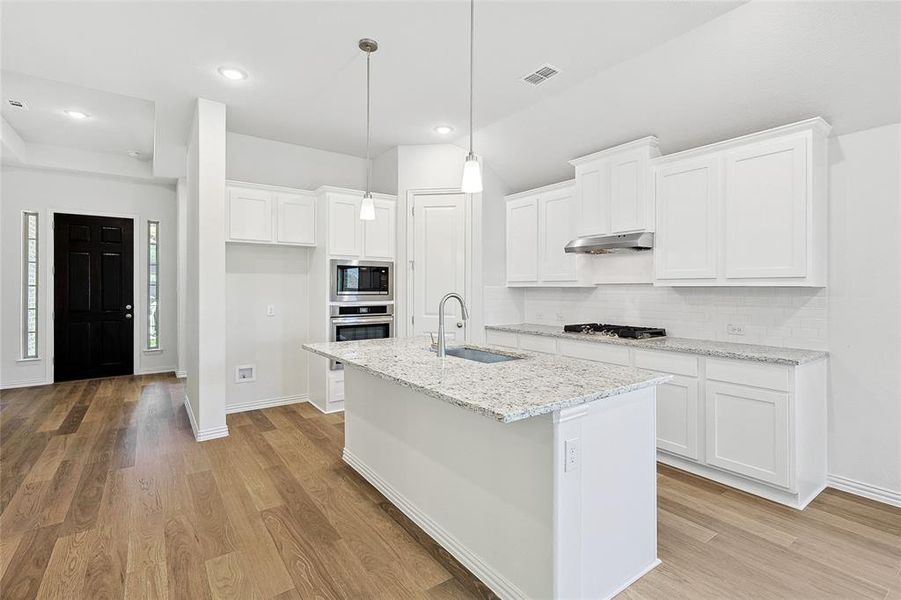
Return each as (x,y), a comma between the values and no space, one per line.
(441,343)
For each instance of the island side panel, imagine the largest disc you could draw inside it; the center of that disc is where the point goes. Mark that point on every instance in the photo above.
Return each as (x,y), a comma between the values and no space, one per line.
(606,503)
(483,489)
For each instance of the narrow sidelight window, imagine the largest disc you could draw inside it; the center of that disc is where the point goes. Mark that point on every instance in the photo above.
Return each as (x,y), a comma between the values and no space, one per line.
(30,285)
(153,286)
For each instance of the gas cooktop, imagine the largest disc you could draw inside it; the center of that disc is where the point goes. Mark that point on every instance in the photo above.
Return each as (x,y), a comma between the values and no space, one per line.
(622,331)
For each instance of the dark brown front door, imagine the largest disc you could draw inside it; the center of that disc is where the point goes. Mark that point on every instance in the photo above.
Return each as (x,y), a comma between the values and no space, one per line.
(93,281)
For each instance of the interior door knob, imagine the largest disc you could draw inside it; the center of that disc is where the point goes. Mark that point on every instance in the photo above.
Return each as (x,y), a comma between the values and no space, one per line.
(459,324)
(127,316)
(128,307)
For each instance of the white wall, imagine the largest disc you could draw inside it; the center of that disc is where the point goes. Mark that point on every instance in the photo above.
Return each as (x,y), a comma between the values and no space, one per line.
(384,172)
(864,326)
(205,309)
(25,189)
(260,160)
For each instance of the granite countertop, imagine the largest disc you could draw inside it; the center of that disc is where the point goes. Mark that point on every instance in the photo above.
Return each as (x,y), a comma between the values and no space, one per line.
(507,391)
(769,354)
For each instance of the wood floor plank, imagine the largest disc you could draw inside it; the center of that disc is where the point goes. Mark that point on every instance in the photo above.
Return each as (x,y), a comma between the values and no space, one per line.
(105,493)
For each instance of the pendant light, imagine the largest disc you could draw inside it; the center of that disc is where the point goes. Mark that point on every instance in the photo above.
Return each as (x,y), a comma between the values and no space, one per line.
(472,171)
(367,207)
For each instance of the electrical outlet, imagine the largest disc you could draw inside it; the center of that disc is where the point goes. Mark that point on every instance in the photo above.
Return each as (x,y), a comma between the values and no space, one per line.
(270,310)
(735,329)
(572,452)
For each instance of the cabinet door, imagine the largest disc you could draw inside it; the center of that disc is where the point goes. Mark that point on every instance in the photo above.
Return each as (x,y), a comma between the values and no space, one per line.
(766,209)
(295,220)
(344,228)
(556,227)
(628,194)
(687,194)
(522,240)
(378,235)
(747,431)
(593,197)
(249,215)
(677,416)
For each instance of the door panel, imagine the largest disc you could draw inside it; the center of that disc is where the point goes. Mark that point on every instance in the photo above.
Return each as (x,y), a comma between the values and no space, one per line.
(378,234)
(677,416)
(766,210)
(93,284)
(747,431)
(295,219)
(345,232)
(627,198)
(556,227)
(439,233)
(593,197)
(522,239)
(249,215)
(687,229)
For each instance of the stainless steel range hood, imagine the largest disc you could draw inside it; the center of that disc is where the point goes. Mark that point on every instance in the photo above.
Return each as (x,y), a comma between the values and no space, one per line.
(605,244)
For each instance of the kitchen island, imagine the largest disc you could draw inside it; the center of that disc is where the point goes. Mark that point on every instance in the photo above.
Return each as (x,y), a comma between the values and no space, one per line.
(537,472)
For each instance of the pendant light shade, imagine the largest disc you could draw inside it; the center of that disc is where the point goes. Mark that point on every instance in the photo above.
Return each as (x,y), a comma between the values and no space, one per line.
(367,207)
(472,170)
(472,175)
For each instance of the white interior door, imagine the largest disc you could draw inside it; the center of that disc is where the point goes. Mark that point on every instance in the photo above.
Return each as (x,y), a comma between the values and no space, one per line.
(439,261)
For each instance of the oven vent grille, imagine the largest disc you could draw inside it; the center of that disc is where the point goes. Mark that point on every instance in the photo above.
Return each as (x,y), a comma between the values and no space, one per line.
(541,75)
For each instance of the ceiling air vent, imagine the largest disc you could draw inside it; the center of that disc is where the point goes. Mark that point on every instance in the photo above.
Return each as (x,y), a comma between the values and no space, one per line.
(17,104)
(540,75)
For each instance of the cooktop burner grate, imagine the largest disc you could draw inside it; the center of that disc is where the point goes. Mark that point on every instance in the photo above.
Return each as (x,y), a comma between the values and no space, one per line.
(623,331)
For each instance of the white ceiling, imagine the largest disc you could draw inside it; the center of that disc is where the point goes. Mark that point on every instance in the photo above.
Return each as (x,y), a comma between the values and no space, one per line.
(689,72)
(306,73)
(116,124)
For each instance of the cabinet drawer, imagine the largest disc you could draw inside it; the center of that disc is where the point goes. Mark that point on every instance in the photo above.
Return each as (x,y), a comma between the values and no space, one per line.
(538,343)
(774,377)
(667,362)
(600,352)
(501,338)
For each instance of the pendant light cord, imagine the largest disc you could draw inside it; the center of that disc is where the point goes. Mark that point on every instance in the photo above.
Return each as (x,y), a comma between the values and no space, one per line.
(368,133)
(472,8)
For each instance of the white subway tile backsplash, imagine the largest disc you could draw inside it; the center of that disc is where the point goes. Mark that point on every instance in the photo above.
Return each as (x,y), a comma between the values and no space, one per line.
(794,317)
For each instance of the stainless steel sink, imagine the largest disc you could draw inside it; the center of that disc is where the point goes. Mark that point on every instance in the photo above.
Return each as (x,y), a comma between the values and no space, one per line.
(482,356)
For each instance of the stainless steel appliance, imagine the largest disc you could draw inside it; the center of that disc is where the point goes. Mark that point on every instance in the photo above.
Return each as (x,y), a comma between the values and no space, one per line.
(622,331)
(350,322)
(606,244)
(361,281)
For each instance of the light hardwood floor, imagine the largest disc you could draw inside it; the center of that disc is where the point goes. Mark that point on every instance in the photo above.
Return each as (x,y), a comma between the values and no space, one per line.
(105,494)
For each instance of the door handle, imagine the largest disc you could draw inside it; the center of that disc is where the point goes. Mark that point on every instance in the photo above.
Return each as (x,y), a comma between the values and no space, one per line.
(459,324)
(127,316)
(128,307)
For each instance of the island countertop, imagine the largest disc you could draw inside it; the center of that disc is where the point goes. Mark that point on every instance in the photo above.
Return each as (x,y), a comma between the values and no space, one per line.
(507,391)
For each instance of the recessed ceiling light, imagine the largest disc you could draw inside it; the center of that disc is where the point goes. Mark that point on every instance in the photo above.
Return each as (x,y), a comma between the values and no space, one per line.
(76,114)
(134,154)
(443,129)
(233,73)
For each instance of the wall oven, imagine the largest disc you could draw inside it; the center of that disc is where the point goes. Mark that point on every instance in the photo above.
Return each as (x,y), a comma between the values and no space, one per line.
(361,281)
(360,322)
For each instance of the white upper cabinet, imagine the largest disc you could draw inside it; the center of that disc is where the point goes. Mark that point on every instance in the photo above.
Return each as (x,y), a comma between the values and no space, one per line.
(249,214)
(263,214)
(766,201)
(613,191)
(348,236)
(556,227)
(378,235)
(295,219)
(745,212)
(345,231)
(522,240)
(687,220)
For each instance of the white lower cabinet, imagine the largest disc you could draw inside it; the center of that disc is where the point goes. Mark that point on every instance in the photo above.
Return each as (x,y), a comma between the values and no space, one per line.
(755,426)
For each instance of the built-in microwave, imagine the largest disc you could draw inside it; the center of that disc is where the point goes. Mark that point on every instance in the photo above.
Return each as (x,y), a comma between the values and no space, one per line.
(361,281)
(360,322)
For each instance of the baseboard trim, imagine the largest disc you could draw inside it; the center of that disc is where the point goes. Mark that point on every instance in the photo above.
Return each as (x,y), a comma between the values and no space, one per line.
(155,371)
(202,435)
(494,580)
(865,490)
(266,403)
(181,374)
(24,384)
(657,562)
(336,407)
